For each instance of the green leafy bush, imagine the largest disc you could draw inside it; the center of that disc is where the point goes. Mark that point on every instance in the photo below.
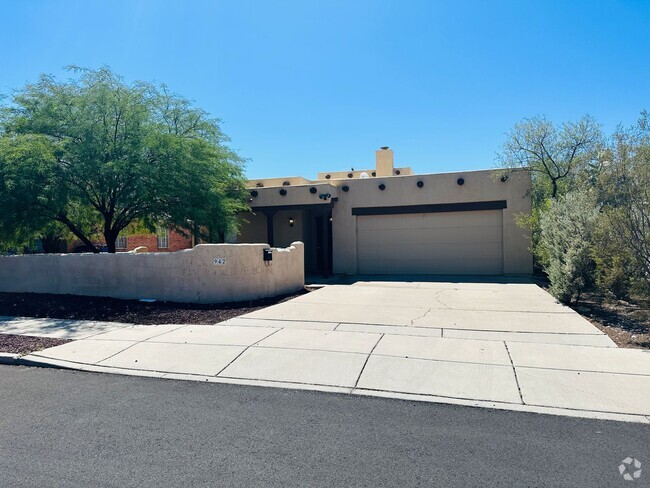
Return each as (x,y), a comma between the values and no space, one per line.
(566,230)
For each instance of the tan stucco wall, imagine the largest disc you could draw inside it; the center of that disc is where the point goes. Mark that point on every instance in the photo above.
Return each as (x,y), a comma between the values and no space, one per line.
(479,186)
(184,276)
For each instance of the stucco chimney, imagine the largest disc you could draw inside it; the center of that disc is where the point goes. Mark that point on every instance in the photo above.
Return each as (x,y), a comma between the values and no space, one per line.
(384,161)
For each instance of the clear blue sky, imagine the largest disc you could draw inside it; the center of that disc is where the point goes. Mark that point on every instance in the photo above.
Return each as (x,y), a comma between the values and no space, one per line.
(306,86)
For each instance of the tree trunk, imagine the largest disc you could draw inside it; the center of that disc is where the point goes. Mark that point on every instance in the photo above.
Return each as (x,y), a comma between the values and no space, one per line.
(110,236)
(554,193)
(73,228)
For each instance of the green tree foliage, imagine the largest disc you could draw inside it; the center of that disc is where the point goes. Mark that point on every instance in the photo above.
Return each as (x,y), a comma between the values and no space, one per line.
(97,154)
(624,186)
(554,155)
(557,157)
(567,236)
(591,203)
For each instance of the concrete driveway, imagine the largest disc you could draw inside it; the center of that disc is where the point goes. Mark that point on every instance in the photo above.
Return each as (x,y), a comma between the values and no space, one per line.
(498,345)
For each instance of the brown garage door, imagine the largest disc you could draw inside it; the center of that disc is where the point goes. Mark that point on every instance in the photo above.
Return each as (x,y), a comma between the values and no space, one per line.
(431,243)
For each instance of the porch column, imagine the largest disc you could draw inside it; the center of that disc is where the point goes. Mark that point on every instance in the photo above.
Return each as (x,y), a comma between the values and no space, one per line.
(269,227)
(326,245)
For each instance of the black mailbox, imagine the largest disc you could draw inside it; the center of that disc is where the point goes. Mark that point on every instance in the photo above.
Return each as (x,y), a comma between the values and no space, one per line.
(267,254)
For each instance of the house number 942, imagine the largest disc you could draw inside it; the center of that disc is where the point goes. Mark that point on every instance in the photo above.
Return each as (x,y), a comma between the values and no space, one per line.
(220,261)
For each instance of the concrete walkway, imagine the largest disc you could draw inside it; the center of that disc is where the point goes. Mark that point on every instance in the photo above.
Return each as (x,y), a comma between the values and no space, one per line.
(509,346)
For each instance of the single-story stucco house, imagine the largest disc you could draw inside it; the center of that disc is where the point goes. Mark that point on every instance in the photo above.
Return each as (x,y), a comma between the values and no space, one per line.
(388,220)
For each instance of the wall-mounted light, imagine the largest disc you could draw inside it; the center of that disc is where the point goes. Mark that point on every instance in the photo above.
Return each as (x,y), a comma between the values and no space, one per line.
(330,219)
(290,221)
(325,196)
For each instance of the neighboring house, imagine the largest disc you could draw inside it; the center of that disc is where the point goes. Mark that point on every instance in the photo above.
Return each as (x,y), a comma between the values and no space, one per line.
(388,220)
(163,241)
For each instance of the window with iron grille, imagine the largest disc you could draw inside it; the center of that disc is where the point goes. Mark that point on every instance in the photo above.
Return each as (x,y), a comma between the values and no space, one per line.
(163,238)
(120,242)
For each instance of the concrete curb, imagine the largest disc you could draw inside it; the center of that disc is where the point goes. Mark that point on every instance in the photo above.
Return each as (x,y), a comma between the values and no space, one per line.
(563,412)
(9,358)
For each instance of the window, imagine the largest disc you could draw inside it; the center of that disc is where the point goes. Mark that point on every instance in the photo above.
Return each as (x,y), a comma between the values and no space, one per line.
(163,238)
(120,242)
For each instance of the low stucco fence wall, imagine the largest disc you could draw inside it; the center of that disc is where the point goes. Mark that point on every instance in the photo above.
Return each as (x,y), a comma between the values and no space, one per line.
(209,273)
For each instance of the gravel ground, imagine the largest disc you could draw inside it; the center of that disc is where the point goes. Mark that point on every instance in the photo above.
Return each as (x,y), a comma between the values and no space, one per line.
(129,311)
(20,344)
(627,323)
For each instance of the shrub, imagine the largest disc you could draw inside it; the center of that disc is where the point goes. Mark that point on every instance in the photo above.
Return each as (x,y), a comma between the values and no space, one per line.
(566,229)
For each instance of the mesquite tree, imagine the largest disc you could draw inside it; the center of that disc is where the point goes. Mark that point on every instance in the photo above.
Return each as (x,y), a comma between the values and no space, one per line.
(97,153)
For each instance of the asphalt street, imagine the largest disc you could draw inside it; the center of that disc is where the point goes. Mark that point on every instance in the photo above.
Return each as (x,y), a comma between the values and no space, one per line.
(62,428)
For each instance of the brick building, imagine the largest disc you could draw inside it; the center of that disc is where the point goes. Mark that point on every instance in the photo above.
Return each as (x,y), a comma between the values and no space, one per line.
(164,241)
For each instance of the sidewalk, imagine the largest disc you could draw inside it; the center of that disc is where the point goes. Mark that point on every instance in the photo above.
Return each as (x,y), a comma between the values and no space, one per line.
(497,345)
(585,381)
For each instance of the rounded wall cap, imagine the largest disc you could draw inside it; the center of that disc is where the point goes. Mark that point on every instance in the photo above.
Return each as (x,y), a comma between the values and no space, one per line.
(345,188)
(382,187)
(460,181)
(420,184)
(283,192)
(254,193)
(313,189)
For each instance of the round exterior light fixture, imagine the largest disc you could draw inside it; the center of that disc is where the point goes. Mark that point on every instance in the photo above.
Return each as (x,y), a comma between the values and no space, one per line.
(313,190)
(345,188)
(460,181)
(291,222)
(420,184)
(382,187)
(283,192)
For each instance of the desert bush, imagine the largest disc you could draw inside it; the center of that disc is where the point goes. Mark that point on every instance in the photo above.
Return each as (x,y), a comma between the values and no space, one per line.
(566,232)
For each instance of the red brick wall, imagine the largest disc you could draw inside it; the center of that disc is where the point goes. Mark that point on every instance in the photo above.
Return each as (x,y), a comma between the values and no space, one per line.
(176,243)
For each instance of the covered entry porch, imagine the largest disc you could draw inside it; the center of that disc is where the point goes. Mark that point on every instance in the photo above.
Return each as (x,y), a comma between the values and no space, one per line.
(280,225)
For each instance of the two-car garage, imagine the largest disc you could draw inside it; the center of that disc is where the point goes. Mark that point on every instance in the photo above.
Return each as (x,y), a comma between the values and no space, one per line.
(439,242)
